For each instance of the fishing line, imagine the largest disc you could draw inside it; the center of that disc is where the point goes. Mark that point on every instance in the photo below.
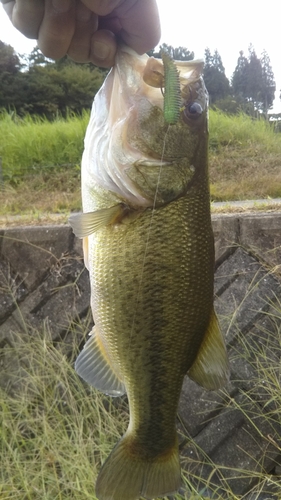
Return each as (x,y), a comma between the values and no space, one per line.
(149,229)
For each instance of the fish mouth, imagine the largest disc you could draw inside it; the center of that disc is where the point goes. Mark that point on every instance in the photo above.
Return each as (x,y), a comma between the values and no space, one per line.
(128,145)
(153,163)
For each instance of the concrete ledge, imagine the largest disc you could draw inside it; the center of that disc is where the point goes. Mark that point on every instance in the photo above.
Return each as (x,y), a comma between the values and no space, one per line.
(260,233)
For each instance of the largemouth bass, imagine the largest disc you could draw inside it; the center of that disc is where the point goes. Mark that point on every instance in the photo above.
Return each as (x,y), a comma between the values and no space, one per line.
(148,245)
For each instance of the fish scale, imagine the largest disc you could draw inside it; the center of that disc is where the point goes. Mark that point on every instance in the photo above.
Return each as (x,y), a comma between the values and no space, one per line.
(167,321)
(148,245)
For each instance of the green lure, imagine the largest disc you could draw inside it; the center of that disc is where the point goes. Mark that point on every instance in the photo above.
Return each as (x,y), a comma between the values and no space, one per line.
(172,95)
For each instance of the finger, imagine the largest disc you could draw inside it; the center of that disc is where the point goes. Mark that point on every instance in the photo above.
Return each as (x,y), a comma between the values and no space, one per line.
(86,25)
(57,28)
(26,16)
(8,7)
(140,25)
(102,7)
(103,48)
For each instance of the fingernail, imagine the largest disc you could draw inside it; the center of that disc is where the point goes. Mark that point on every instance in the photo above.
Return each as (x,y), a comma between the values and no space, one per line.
(101,50)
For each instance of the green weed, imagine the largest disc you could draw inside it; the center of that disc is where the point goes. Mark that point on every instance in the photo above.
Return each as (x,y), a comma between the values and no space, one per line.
(39,156)
(34,145)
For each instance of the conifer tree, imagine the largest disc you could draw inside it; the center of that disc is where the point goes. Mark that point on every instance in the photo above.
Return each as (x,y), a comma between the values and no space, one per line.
(268,83)
(214,76)
(253,80)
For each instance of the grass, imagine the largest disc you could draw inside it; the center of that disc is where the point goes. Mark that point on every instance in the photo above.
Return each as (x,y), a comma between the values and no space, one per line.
(43,193)
(245,158)
(41,162)
(31,145)
(56,431)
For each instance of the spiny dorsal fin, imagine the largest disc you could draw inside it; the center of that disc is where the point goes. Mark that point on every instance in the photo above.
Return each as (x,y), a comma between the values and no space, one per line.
(211,367)
(93,365)
(88,223)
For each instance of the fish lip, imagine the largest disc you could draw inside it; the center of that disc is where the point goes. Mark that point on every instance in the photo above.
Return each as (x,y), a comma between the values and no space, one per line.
(153,163)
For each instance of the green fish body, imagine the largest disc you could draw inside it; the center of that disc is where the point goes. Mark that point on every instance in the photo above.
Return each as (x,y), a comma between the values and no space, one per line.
(150,254)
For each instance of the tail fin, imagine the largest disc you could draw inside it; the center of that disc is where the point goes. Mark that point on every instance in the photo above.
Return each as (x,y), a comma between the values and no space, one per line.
(127,477)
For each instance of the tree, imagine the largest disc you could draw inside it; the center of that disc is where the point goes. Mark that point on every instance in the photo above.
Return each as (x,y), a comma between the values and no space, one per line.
(253,81)
(37,58)
(214,76)
(208,58)
(10,76)
(254,78)
(239,77)
(176,53)
(268,83)
(50,90)
(45,87)
(9,60)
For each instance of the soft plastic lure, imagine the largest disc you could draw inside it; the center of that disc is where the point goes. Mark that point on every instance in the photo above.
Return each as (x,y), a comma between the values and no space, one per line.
(172,95)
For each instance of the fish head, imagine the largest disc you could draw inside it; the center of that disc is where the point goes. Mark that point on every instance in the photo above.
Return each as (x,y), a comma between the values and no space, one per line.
(130,148)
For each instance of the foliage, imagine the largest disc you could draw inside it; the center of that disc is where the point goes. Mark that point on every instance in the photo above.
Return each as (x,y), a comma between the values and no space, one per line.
(253,80)
(32,144)
(268,83)
(234,105)
(254,77)
(10,76)
(44,87)
(244,158)
(214,76)
(55,430)
(51,91)
(43,157)
(239,81)
(177,53)
(9,60)
(36,58)
(37,85)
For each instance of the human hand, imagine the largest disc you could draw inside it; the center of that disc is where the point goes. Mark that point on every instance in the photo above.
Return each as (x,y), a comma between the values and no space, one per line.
(86,30)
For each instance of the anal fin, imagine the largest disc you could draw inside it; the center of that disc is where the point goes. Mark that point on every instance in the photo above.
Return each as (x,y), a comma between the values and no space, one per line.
(211,367)
(93,365)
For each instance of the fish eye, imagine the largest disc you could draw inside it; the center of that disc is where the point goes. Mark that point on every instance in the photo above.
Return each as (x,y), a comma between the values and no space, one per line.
(193,110)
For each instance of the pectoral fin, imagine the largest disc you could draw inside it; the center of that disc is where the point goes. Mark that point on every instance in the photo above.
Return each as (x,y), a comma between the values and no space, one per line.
(94,366)
(211,367)
(88,223)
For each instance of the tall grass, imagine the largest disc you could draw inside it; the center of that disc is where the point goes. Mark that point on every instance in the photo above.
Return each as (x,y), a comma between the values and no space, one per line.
(244,161)
(56,431)
(245,158)
(30,144)
(241,131)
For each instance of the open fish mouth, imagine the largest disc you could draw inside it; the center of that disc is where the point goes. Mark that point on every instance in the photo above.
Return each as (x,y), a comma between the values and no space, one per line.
(154,163)
(129,138)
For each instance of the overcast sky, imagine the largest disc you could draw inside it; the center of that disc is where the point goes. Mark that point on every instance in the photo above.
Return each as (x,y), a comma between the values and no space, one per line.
(219,24)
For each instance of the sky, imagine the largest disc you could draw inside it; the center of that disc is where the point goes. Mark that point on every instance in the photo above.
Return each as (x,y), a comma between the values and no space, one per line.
(223,25)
